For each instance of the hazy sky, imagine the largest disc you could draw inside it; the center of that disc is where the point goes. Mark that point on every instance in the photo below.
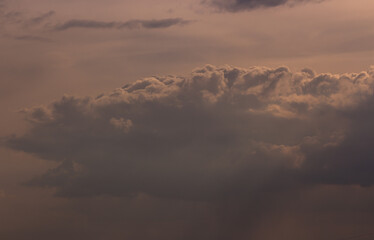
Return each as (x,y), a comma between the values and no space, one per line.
(190,120)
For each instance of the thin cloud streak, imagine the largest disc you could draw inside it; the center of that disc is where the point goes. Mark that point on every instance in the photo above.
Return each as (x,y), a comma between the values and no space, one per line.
(131,24)
(245,5)
(32,38)
(41,18)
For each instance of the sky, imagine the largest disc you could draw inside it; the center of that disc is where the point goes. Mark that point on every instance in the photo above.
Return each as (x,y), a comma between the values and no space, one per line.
(186,120)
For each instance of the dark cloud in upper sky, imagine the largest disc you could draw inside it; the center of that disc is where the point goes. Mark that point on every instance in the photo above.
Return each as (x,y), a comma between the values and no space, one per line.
(131,24)
(217,134)
(244,5)
(41,18)
(21,26)
(8,16)
(26,28)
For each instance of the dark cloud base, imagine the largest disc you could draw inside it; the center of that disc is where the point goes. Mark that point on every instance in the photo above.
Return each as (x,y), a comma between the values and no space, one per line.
(219,133)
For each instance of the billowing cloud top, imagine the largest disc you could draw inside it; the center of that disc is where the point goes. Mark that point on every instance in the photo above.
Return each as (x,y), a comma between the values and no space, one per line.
(243,5)
(218,133)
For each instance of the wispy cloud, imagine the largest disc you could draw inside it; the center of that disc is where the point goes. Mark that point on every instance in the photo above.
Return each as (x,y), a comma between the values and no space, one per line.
(41,18)
(20,26)
(131,24)
(32,38)
(244,5)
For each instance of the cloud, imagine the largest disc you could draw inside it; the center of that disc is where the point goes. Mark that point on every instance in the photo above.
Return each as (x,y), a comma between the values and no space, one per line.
(9,16)
(244,5)
(18,26)
(219,133)
(32,38)
(41,18)
(131,24)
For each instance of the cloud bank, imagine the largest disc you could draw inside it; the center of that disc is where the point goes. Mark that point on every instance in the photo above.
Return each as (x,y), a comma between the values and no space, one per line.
(244,5)
(131,24)
(219,133)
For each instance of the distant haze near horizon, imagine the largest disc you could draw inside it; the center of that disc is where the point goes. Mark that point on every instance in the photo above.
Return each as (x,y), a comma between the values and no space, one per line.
(180,120)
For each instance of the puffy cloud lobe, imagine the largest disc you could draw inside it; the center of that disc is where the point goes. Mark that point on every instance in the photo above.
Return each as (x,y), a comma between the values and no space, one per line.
(121,123)
(131,24)
(219,133)
(244,5)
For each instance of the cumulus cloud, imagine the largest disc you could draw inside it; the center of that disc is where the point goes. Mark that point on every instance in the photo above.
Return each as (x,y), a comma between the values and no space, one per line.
(219,133)
(244,5)
(131,24)
(121,124)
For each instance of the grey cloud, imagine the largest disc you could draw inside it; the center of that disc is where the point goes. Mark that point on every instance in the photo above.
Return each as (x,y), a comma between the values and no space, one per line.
(84,24)
(41,18)
(8,16)
(244,5)
(32,38)
(351,161)
(21,27)
(131,24)
(219,133)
